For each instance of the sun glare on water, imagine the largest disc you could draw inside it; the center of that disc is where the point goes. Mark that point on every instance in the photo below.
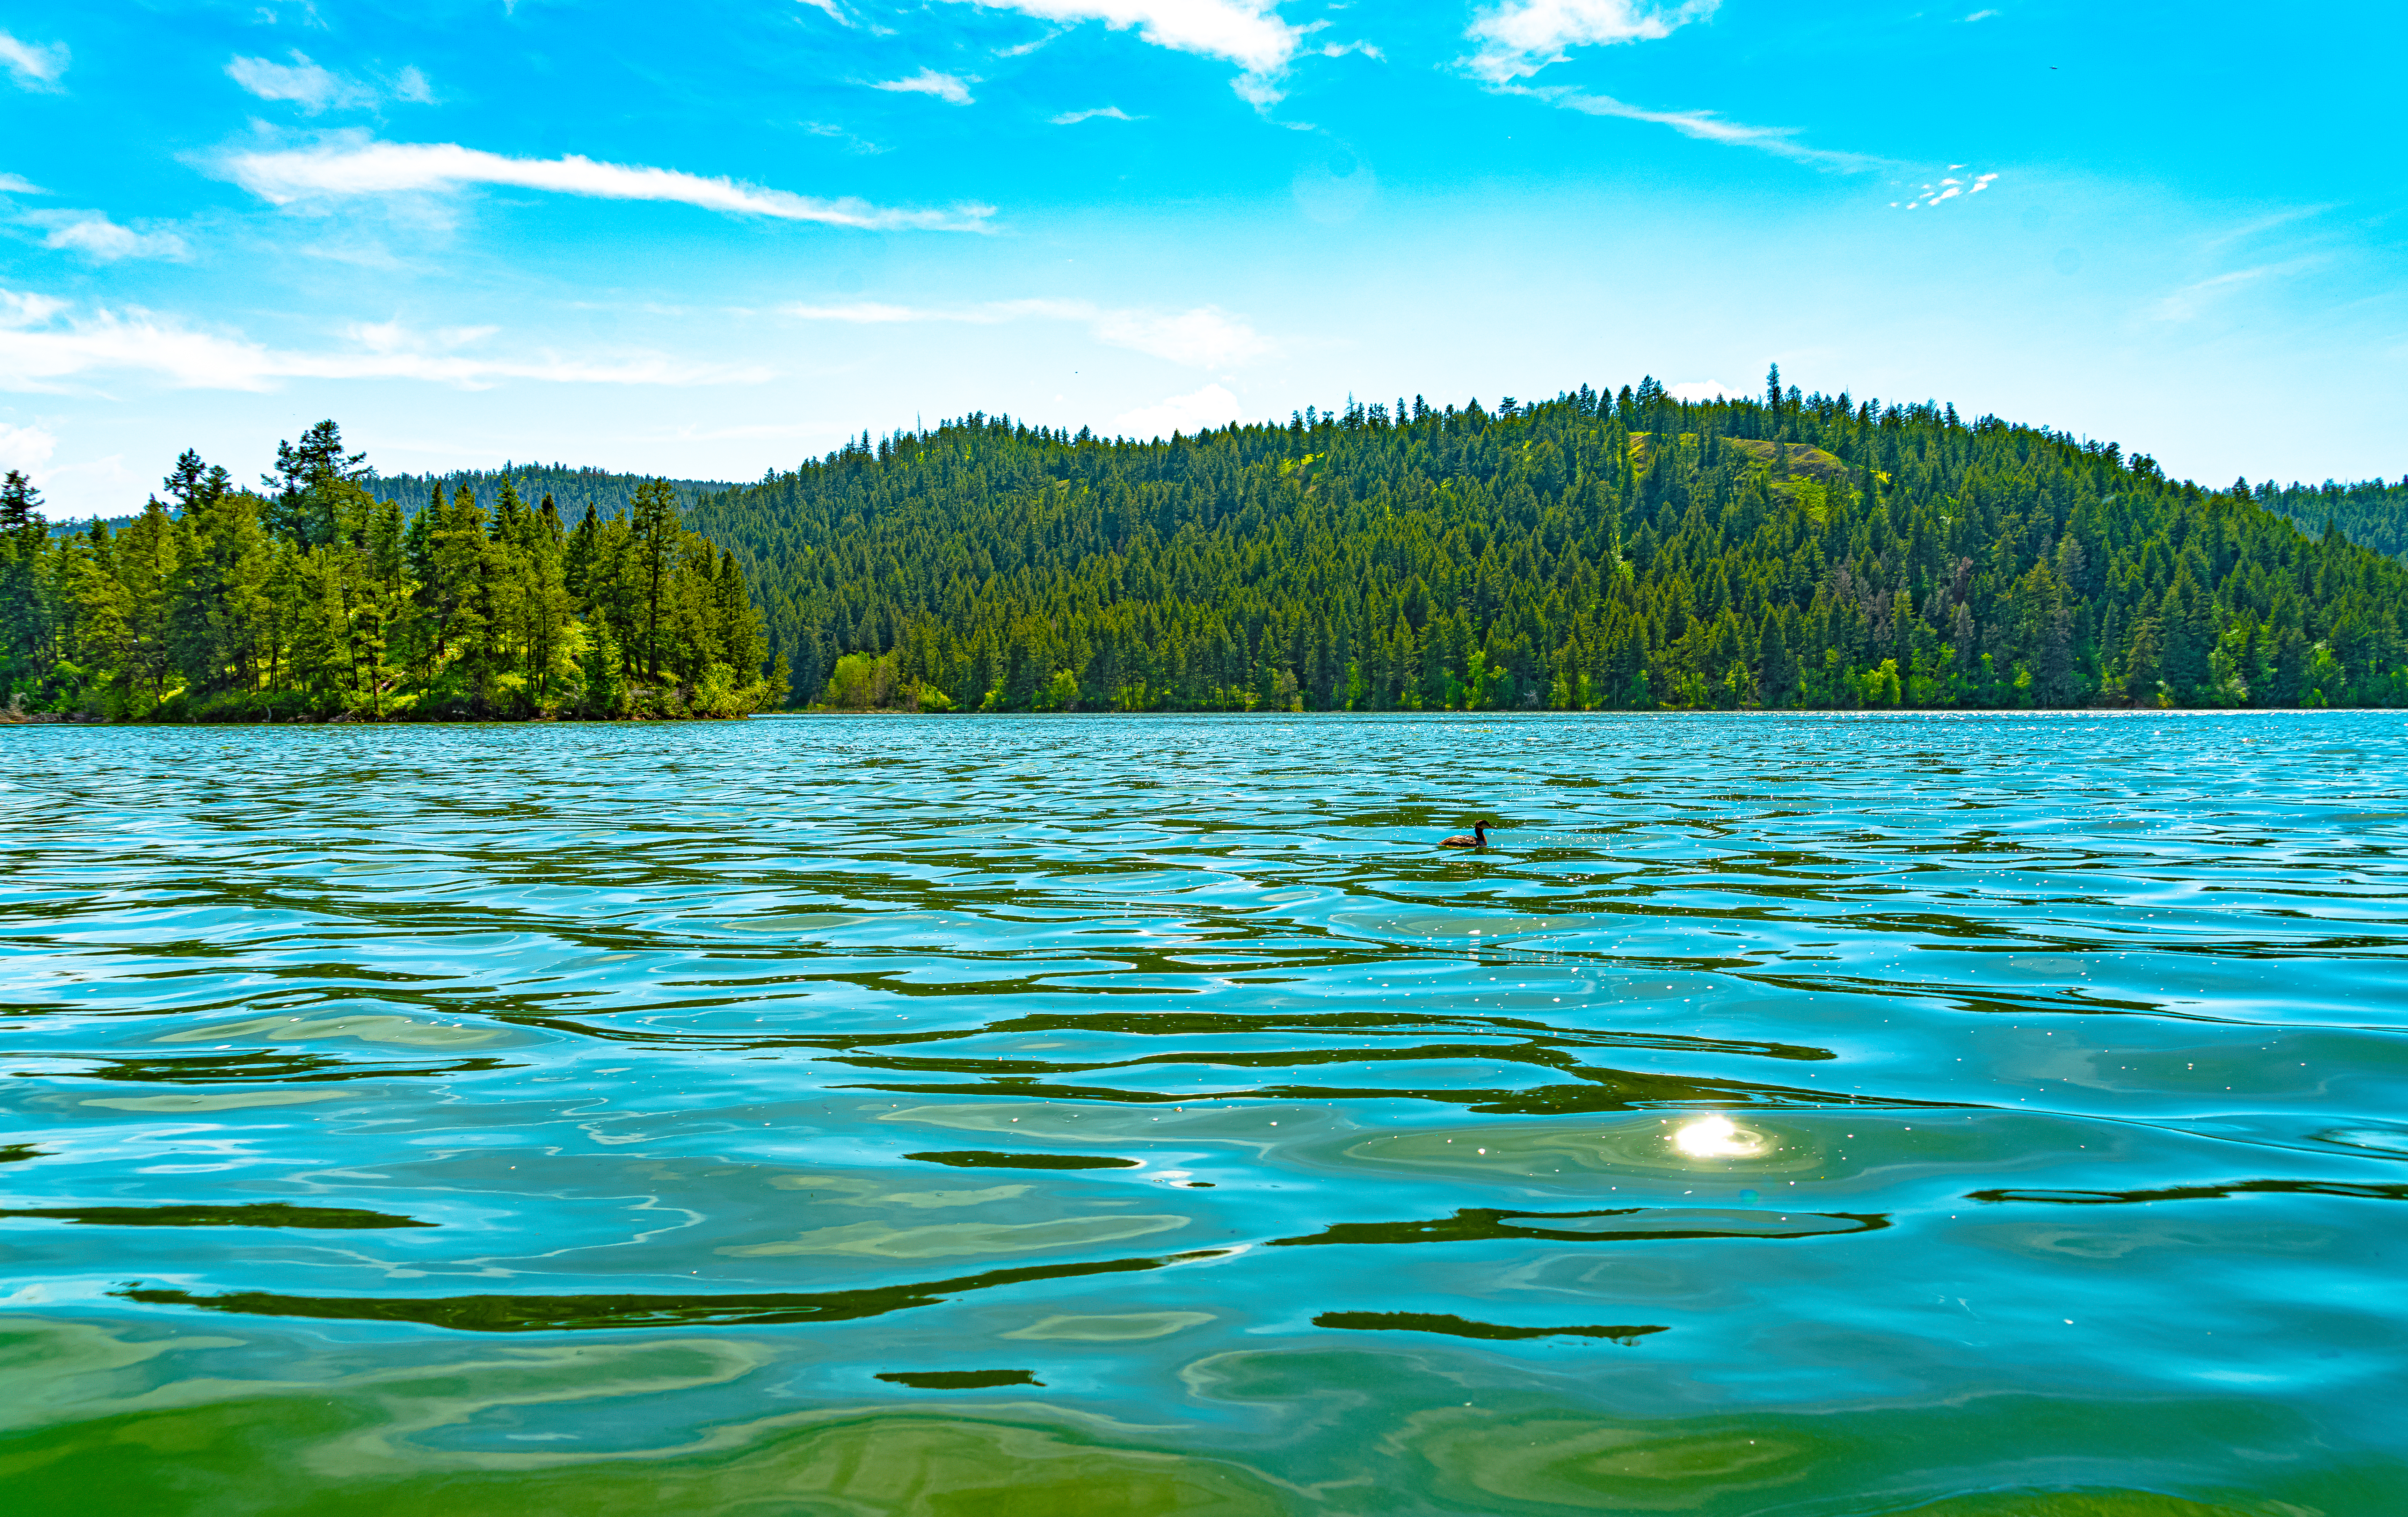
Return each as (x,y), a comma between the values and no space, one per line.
(1717,1137)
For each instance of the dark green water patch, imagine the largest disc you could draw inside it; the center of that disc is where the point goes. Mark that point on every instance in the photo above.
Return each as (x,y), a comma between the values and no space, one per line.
(1631,1225)
(258,1215)
(1612,1091)
(572,1313)
(2200,1193)
(283,1068)
(984,1159)
(959,1380)
(1454,1326)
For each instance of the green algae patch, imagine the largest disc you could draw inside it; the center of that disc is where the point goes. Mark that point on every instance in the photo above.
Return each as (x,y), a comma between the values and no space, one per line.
(259,1214)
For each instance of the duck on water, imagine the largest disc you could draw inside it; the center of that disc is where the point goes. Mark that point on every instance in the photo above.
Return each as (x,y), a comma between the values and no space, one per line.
(1476,837)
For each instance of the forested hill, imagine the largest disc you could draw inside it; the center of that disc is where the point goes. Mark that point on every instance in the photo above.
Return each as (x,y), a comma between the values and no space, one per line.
(1592,550)
(572,490)
(2373,512)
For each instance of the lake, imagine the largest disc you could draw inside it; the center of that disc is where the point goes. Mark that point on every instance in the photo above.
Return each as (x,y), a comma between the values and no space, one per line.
(1798,1114)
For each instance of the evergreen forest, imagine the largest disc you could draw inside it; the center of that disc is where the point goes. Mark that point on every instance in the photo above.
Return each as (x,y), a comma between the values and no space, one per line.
(2373,512)
(1625,551)
(314,598)
(573,491)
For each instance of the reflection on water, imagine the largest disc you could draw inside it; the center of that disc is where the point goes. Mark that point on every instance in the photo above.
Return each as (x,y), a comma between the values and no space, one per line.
(1719,1138)
(1817,1115)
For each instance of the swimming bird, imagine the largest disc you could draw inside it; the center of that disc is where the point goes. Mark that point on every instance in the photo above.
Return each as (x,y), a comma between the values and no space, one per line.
(1476,837)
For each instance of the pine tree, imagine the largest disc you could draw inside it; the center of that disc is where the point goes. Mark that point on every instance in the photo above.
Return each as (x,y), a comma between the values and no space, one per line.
(652,523)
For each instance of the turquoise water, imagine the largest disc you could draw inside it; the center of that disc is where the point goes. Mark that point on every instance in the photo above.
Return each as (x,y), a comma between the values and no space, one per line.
(1799,1115)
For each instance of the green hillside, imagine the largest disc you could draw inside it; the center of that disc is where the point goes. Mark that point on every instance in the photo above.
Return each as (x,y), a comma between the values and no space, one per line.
(572,490)
(1625,552)
(2373,512)
(1798,551)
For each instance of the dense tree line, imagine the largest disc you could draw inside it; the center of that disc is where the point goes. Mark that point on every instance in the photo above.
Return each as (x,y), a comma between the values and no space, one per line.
(313,598)
(2374,512)
(573,491)
(1595,551)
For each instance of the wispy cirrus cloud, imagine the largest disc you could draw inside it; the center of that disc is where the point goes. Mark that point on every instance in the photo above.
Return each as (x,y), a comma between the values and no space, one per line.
(351,167)
(1520,37)
(1109,114)
(1247,33)
(12,184)
(48,344)
(1204,337)
(94,235)
(946,87)
(2193,300)
(33,66)
(302,82)
(1704,125)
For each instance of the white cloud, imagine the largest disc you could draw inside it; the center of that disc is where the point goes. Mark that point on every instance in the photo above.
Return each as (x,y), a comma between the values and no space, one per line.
(1109,114)
(27,310)
(1981,15)
(944,87)
(1948,189)
(1522,37)
(93,234)
(833,11)
(301,81)
(351,166)
(1212,405)
(1704,125)
(410,85)
(1204,337)
(11,184)
(1248,32)
(34,65)
(25,448)
(43,344)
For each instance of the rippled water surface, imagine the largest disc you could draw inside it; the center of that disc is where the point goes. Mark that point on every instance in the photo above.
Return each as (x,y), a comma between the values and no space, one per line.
(1064,1115)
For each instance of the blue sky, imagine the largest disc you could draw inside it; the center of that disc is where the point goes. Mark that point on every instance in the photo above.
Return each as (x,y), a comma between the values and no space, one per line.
(715,238)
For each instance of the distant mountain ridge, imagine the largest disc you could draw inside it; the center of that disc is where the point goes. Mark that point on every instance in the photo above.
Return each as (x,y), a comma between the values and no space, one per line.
(572,489)
(2373,512)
